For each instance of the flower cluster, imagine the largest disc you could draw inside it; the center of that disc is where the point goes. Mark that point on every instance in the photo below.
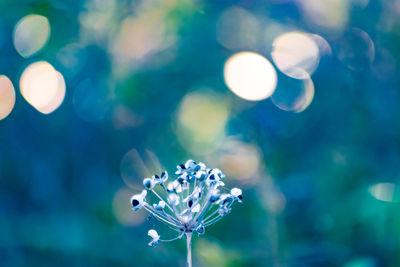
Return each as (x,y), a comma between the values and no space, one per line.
(192,201)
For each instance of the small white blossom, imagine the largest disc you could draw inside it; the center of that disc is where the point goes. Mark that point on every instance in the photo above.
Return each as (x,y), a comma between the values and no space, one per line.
(160,179)
(190,165)
(148,183)
(237,194)
(138,200)
(181,169)
(160,206)
(173,199)
(155,237)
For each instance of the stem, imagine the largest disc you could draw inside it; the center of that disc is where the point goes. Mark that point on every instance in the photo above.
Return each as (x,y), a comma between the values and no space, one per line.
(166,202)
(157,215)
(189,249)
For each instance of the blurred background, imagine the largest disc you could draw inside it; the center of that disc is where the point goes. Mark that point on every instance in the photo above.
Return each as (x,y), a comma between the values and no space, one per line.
(297,101)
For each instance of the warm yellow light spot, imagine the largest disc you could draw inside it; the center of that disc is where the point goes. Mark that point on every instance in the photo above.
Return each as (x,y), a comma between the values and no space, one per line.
(31,34)
(250,76)
(295,50)
(42,86)
(240,160)
(203,115)
(122,208)
(7,96)
(327,13)
(201,121)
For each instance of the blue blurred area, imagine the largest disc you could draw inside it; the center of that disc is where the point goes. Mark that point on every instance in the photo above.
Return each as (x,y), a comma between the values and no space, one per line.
(148,85)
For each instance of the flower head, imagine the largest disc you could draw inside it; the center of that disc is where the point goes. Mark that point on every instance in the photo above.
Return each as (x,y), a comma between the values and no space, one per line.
(190,202)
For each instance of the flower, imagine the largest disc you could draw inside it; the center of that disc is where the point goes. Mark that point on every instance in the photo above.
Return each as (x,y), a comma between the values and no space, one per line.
(181,169)
(160,180)
(190,202)
(148,183)
(200,229)
(160,206)
(173,199)
(190,165)
(138,200)
(237,194)
(155,237)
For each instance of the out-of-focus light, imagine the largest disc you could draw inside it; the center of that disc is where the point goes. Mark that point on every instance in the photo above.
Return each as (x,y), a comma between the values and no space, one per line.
(323,45)
(295,50)
(388,192)
(142,36)
(332,14)
(294,94)
(362,262)
(124,117)
(42,86)
(89,101)
(123,210)
(135,167)
(238,29)
(250,76)
(201,121)
(31,34)
(72,57)
(7,96)
(210,252)
(240,160)
(355,49)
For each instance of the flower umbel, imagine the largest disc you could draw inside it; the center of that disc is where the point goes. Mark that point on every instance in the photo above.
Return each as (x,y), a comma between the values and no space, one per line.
(188,204)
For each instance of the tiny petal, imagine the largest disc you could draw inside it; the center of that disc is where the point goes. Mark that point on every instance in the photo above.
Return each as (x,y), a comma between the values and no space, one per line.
(196,208)
(173,199)
(202,166)
(138,200)
(153,234)
(222,211)
(159,206)
(164,176)
(155,237)
(200,229)
(190,164)
(148,183)
(237,194)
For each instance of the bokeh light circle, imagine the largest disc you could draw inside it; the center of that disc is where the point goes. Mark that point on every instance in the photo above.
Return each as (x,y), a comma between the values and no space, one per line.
(294,94)
(201,121)
(42,86)
(240,160)
(31,34)
(7,96)
(238,29)
(387,192)
(355,49)
(250,76)
(122,208)
(295,50)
